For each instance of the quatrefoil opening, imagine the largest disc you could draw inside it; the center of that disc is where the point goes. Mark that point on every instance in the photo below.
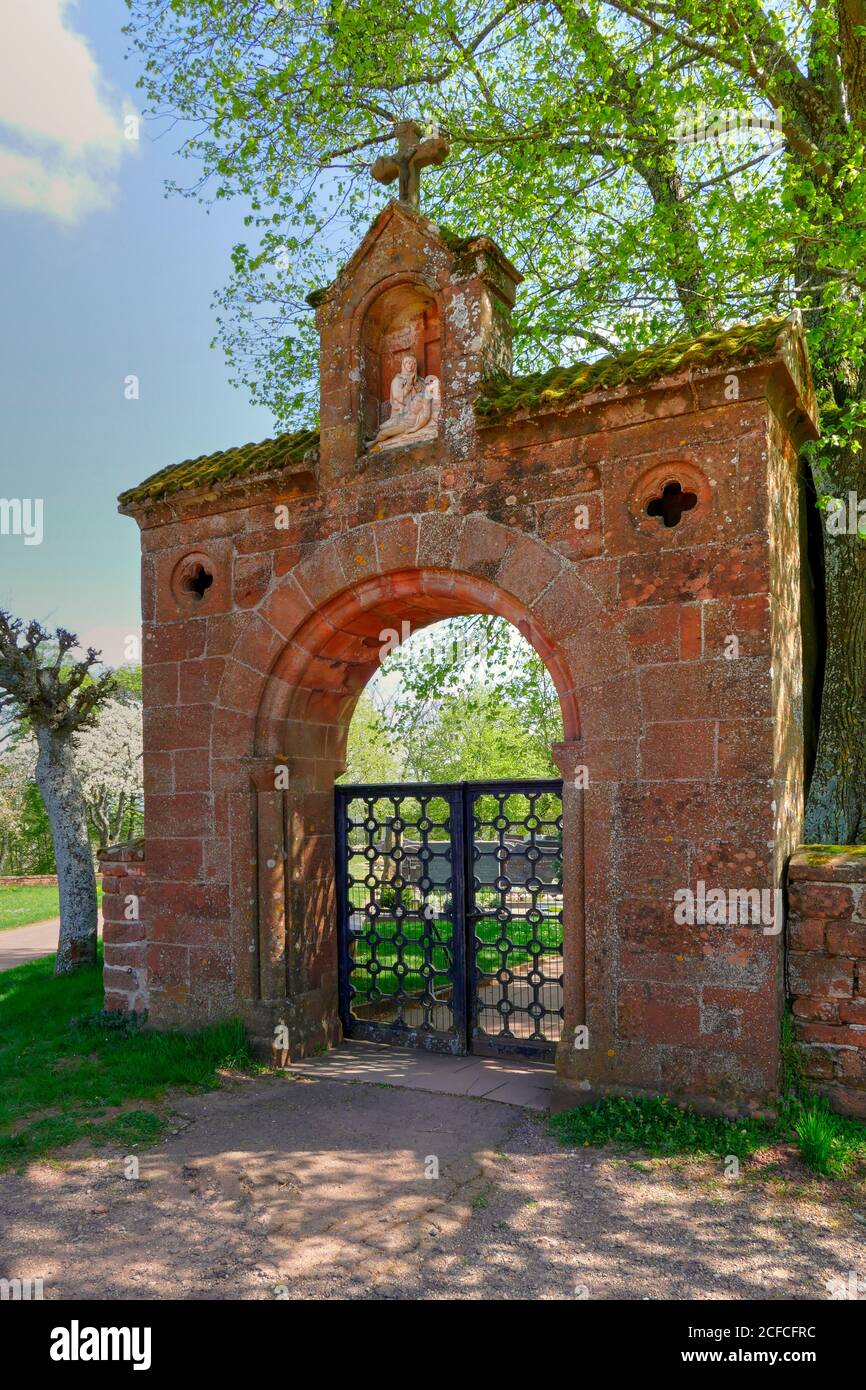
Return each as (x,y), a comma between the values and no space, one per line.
(669,496)
(671,503)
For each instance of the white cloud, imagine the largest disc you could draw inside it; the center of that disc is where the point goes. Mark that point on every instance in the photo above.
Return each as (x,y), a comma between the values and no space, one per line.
(61,190)
(61,129)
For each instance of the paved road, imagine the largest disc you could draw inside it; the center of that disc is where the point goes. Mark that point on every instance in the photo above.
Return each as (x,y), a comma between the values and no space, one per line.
(21,944)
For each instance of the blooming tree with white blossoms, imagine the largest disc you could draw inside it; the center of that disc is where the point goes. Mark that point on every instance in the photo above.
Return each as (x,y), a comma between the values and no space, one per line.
(108,759)
(17,771)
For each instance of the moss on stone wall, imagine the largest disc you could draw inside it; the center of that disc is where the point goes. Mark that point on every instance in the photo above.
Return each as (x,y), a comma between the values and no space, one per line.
(500,397)
(825,854)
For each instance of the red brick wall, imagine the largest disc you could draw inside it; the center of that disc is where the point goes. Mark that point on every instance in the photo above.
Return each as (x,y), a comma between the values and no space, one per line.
(124,930)
(28,880)
(827,971)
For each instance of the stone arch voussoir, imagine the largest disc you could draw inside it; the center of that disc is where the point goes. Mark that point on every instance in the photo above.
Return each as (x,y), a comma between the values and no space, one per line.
(343,595)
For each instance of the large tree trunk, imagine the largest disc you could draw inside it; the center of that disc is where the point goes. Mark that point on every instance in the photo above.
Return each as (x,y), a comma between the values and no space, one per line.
(836,808)
(61,791)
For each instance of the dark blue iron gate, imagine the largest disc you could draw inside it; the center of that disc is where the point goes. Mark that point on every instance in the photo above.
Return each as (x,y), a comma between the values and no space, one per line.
(450,915)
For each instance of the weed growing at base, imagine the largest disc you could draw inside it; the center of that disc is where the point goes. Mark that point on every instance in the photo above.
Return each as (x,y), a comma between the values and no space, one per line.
(829,1144)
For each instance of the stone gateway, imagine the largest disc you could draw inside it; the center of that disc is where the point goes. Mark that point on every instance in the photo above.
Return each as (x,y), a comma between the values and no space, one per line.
(638,519)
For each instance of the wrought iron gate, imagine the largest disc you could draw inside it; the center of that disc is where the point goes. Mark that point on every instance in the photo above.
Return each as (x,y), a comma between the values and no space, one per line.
(450,915)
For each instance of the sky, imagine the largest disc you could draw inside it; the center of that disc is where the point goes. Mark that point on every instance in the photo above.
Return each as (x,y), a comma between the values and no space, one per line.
(104,278)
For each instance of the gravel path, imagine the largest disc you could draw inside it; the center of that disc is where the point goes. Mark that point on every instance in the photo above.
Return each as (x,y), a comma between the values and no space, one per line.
(316,1189)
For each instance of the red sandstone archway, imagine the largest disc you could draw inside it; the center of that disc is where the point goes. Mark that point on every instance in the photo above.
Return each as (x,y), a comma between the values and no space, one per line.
(303,722)
(286,697)
(306,705)
(316,681)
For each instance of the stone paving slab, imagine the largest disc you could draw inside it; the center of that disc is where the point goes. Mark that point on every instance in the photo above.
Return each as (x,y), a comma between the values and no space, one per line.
(512,1082)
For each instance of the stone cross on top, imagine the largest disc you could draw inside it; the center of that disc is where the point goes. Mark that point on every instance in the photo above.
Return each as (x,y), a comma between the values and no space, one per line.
(413,153)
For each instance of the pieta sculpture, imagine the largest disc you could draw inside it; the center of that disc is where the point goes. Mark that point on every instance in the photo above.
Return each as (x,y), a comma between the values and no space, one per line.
(414,402)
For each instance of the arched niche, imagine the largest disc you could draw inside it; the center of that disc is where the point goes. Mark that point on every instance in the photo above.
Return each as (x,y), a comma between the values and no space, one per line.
(403,319)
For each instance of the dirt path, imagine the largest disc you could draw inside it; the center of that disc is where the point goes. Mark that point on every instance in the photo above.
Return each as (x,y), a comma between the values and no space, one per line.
(302,1188)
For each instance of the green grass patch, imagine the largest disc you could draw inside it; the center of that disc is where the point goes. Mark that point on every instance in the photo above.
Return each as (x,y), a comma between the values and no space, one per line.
(831,1145)
(64,1064)
(488,958)
(22,904)
(817,1139)
(660,1128)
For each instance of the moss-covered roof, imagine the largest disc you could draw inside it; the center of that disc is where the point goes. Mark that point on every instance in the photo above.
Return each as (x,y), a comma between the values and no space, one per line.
(286,451)
(502,396)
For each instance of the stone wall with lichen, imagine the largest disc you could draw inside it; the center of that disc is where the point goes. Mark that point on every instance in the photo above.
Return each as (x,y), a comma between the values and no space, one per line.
(827,971)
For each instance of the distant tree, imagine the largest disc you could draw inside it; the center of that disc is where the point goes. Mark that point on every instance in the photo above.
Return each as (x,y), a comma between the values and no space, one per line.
(108,759)
(108,756)
(16,776)
(371,756)
(57,698)
(473,736)
(466,699)
(128,680)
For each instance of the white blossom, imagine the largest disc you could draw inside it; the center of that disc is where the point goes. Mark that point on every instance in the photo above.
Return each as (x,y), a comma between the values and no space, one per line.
(108,759)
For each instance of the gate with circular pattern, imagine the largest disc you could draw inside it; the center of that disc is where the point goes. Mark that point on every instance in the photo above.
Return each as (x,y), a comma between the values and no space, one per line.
(450,915)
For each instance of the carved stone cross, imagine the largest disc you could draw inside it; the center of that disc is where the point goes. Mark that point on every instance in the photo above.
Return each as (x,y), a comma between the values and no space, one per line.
(413,153)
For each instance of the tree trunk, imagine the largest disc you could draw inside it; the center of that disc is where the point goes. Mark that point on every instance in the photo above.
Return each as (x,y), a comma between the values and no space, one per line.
(836,808)
(115,829)
(61,791)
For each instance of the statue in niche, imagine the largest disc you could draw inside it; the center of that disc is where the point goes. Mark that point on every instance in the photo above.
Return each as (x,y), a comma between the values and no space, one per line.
(414,414)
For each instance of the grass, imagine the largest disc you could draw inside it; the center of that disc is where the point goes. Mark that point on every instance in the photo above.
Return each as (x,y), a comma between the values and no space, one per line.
(21,904)
(829,1144)
(488,959)
(660,1128)
(65,1066)
(817,1140)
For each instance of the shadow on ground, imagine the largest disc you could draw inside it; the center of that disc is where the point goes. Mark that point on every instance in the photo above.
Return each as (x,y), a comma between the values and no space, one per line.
(316,1189)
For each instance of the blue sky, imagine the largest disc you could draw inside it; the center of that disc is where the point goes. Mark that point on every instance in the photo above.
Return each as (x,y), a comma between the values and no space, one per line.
(103,278)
